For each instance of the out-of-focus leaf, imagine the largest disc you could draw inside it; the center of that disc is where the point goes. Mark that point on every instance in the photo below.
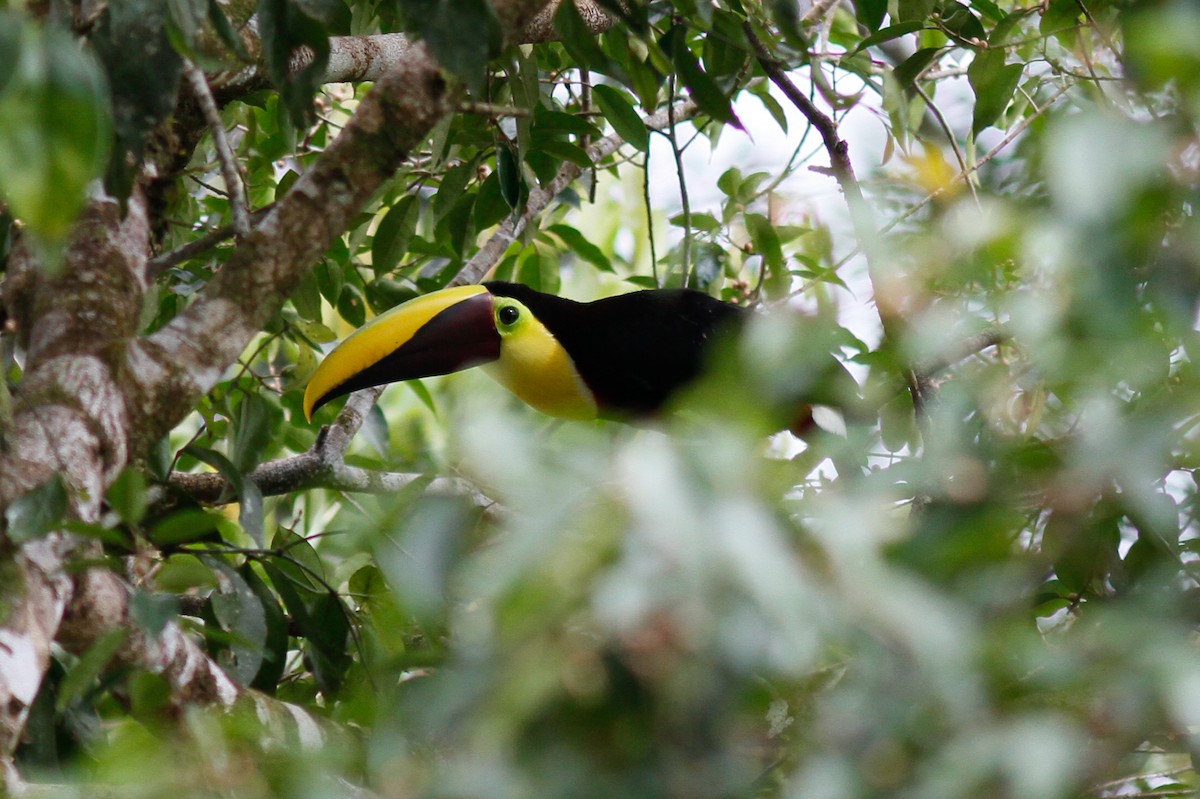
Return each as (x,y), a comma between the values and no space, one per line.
(462,34)
(708,263)
(91,663)
(37,511)
(127,496)
(54,128)
(766,240)
(417,559)
(144,72)
(153,612)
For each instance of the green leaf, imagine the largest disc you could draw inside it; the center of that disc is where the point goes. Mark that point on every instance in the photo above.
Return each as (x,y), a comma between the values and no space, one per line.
(490,205)
(239,611)
(697,221)
(91,664)
(54,131)
(306,299)
(252,433)
(887,34)
(351,306)
(994,83)
(184,527)
(621,115)
(508,173)
(275,643)
(153,612)
(567,152)
(38,511)
(897,423)
(393,234)
(225,31)
(11,31)
(250,498)
(766,240)
(871,13)
(314,332)
(707,265)
(907,73)
(462,34)
(914,10)
(703,89)
(958,20)
(549,122)
(581,247)
(787,17)
(127,495)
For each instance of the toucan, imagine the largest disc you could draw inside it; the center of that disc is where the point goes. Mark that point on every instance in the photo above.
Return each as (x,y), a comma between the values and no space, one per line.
(621,357)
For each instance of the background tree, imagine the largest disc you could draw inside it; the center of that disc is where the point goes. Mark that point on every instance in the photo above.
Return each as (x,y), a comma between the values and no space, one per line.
(984,586)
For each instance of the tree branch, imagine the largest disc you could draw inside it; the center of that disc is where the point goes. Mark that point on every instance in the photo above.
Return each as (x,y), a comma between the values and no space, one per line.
(234,188)
(354,59)
(324,466)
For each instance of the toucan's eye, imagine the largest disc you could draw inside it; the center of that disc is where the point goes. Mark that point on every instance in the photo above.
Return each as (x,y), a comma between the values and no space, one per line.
(509,315)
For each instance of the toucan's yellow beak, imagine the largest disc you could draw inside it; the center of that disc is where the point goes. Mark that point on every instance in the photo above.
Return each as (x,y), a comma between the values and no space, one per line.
(431,335)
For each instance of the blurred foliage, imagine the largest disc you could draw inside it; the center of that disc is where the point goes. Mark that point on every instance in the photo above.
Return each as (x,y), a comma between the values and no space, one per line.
(991,592)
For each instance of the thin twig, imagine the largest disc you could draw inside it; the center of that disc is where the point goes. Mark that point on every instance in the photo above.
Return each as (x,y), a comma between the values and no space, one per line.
(649,217)
(161,263)
(685,249)
(969,346)
(234,187)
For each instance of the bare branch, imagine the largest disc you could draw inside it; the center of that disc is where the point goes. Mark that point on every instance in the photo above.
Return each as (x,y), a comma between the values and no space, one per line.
(234,188)
(964,349)
(369,58)
(324,466)
(194,248)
